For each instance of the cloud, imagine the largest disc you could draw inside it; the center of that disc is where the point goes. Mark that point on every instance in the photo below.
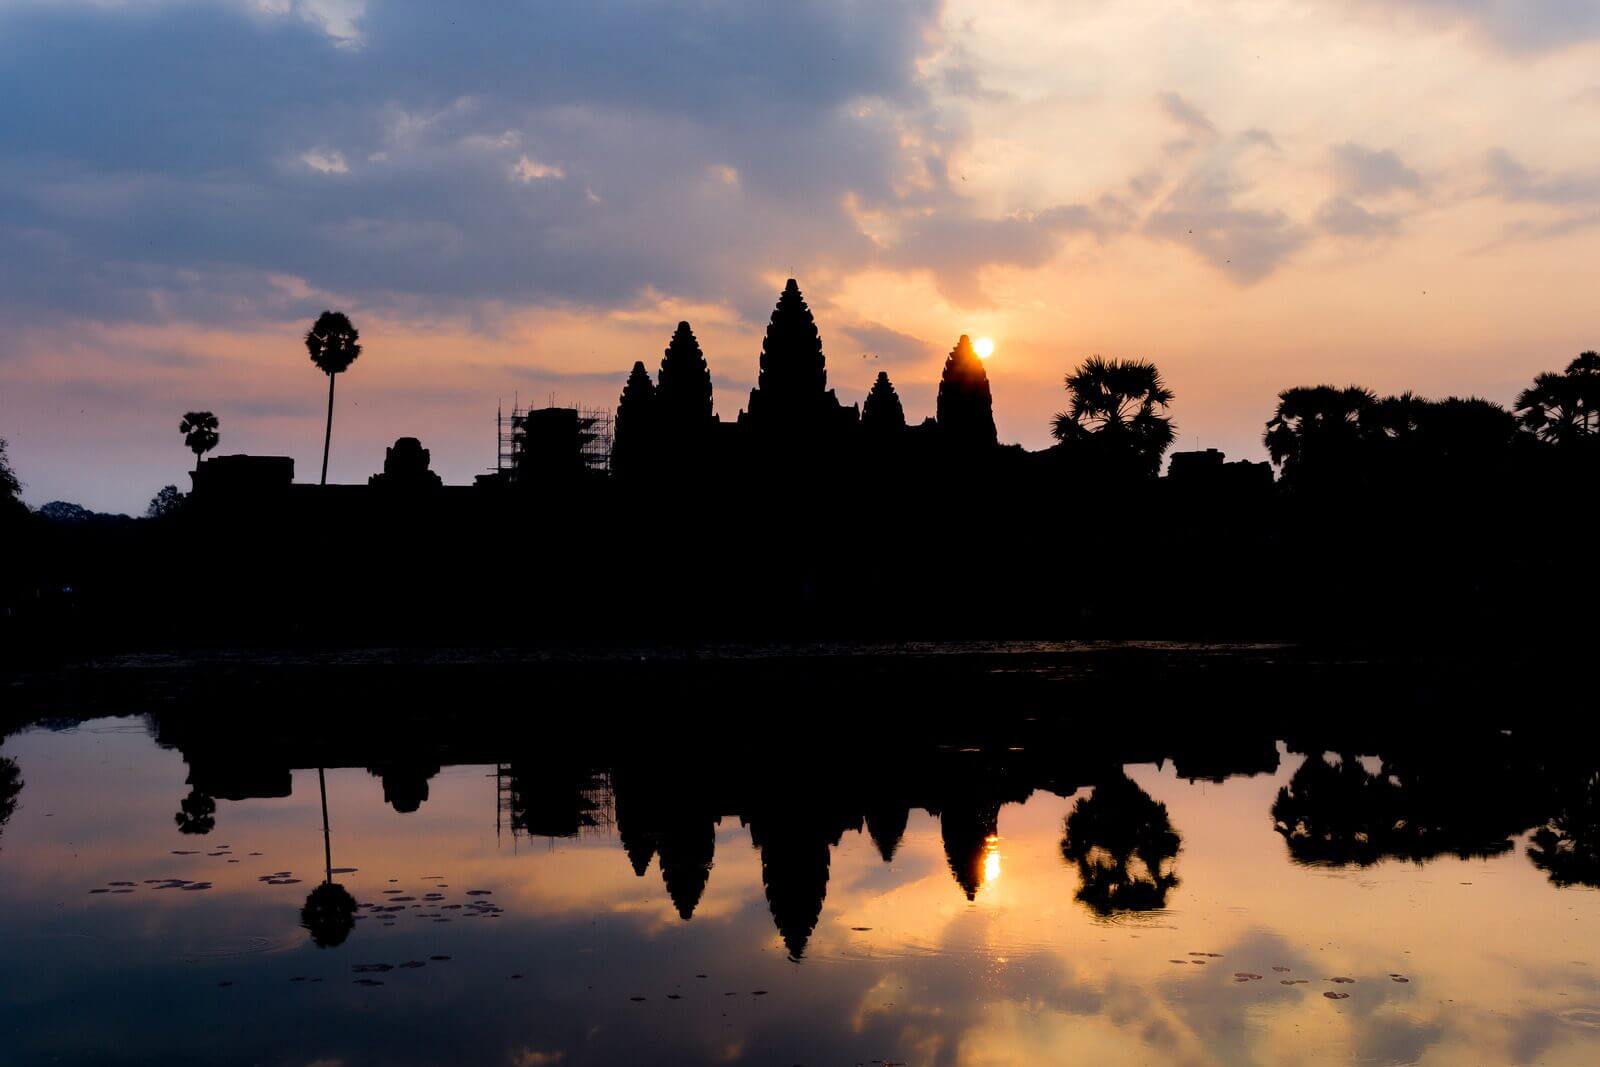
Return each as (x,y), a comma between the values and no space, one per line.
(1362,171)
(325,161)
(955,246)
(1202,210)
(1570,201)
(1511,181)
(531,170)
(884,345)
(1244,243)
(1343,217)
(1511,25)
(1186,114)
(208,135)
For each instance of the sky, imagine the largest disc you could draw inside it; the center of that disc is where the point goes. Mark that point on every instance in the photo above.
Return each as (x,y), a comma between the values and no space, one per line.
(520,201)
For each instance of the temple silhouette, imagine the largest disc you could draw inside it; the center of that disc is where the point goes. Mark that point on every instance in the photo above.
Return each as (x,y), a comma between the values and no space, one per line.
(804,515)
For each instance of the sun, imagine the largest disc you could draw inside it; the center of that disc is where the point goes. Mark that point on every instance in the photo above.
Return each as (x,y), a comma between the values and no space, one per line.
(984,346)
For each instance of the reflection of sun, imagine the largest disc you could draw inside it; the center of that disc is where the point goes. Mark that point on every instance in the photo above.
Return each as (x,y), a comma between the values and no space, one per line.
(984,346)
(991,858)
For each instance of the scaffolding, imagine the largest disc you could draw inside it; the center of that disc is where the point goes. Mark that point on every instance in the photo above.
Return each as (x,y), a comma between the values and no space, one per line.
(535,800)
(552,437)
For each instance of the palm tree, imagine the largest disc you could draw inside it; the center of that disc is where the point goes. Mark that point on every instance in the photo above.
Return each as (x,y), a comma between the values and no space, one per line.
(334,344)
(1564,408)
(197,813)
(1320,427)
(1117,404)
(330,911)
(199,429)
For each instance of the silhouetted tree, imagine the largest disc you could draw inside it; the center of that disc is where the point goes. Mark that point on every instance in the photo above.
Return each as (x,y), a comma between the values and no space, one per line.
(330,911)
(1339,813)
(965,410)
(1567,846)
(165,503)
(683,389)
(199,429)
(11,504)
(635,422)
(1317,431)
(10,789)
(1564,408)
(329,914)
(197,813)
(881,413)
(1124,845)
(1116,411)
(334,343)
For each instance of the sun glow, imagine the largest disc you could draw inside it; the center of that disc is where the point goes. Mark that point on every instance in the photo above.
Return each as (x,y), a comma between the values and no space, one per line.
(991,858)
(984,346)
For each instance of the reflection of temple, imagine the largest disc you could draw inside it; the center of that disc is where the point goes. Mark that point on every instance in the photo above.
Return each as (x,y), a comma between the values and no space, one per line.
(670,780)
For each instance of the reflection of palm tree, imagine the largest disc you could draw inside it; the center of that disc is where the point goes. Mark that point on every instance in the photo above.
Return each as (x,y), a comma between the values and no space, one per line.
(1567,847)
(1124,845)
(199,429)
(1416,807)
(197,813)
(1116,406)
(330,910)
(334,344)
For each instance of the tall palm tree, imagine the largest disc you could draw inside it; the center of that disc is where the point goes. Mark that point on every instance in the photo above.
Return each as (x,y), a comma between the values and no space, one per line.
(334,344)
(199,429)
(1118,405)
(330,911)
(1563,408)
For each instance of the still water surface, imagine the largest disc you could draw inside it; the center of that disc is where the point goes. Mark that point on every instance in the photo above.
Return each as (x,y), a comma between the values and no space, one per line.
(1170,923)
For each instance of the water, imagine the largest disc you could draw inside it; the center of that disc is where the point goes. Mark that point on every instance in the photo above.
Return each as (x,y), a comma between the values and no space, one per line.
(1148,915)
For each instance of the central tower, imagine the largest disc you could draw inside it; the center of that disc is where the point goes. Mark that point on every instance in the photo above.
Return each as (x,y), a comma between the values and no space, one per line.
(792,391)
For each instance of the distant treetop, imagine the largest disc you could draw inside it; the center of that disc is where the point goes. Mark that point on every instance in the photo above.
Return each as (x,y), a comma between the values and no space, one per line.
(1564,408)
(333,342)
